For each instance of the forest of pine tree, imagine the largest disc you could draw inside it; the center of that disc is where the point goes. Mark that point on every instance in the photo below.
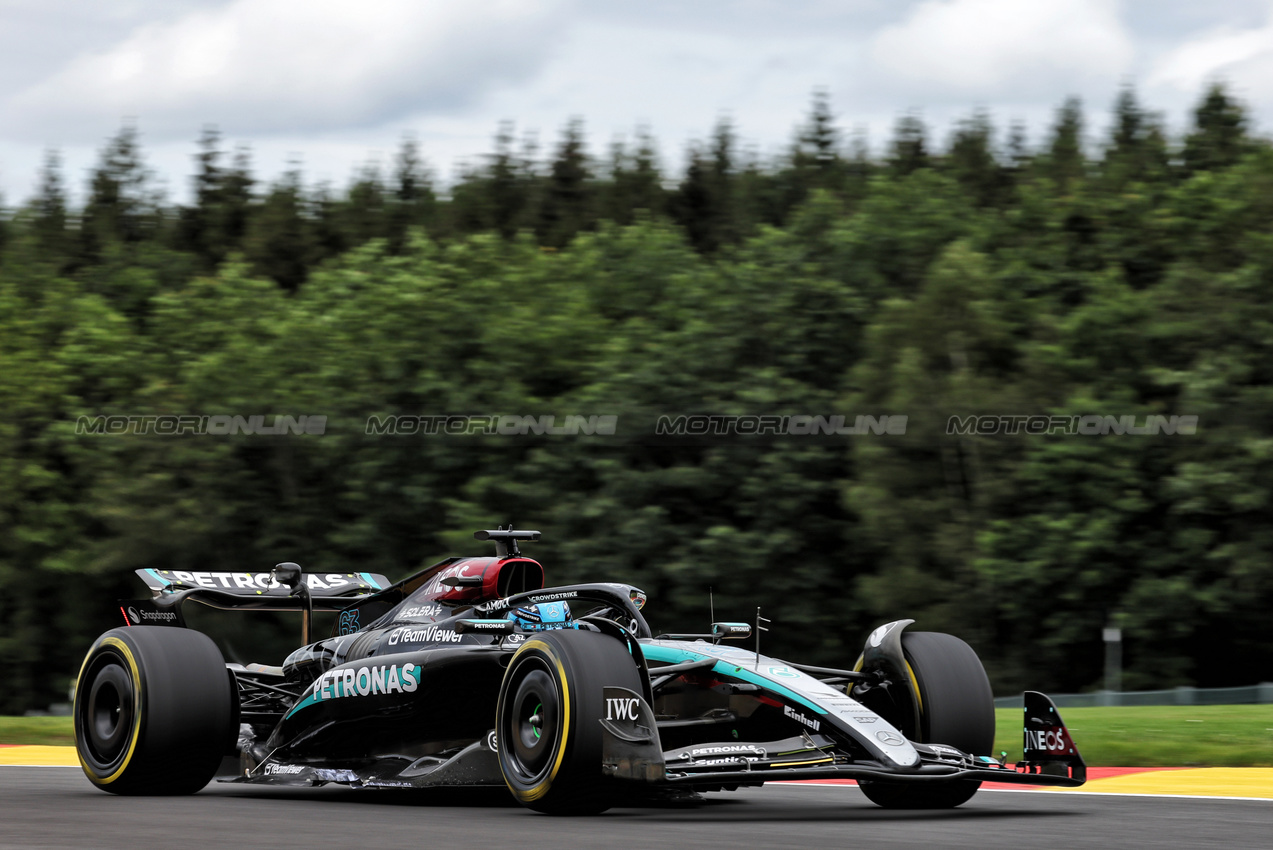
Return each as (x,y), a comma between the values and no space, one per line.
(1124,275)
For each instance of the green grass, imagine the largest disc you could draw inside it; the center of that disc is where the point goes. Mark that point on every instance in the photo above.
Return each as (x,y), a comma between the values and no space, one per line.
(1158,736)
(1154,736)
(53,731)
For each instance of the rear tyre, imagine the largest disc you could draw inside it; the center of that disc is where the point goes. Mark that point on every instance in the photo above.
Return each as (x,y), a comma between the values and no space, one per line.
(154,709)
(956,707)
(548,720)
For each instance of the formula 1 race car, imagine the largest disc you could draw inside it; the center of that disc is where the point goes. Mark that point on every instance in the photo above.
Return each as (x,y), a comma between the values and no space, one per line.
(471,673)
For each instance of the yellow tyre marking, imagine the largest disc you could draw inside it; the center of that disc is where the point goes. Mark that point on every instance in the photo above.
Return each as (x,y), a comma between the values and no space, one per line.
(919,701)
(132,745)
(564,690)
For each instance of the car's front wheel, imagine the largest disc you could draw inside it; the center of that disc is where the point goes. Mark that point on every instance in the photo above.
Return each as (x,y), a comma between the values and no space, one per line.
(548,718)
(154,711)
(956,707)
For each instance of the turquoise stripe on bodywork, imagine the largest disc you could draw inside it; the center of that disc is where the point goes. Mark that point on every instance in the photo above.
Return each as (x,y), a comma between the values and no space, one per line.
(157,577)
(371,581)
(726,668)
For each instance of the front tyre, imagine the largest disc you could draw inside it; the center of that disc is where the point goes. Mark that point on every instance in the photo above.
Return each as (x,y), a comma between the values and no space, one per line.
(154,709)
(548,718)
(956,707)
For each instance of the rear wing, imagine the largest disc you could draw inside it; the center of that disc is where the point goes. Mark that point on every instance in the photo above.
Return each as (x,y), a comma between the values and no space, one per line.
(258,591)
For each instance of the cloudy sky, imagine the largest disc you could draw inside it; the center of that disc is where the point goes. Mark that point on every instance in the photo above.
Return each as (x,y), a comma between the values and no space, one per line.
(338,83)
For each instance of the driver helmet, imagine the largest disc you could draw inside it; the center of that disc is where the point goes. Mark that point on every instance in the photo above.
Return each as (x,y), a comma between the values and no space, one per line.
(545,616)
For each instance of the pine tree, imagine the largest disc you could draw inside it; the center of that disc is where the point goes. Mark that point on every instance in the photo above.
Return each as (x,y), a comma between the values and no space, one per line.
(365,215)
(1065,162)
(910,149)
(1219,136)
(49,210)
(704,203)
(1137,149)
(413,202)
(278,243)
(122,207)
(567,204)
(972,160)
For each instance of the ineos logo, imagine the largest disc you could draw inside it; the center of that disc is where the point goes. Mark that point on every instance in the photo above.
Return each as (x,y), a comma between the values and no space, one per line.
(1052,740)
(621,709)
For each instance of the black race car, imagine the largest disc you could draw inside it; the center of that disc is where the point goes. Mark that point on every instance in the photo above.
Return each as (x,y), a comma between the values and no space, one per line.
(472,673)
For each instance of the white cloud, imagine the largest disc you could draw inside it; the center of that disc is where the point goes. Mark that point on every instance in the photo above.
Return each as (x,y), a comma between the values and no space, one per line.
(1242,57)
(279,66)
(994,48)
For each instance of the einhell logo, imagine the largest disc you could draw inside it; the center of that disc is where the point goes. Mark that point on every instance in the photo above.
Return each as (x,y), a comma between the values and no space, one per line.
(800,718)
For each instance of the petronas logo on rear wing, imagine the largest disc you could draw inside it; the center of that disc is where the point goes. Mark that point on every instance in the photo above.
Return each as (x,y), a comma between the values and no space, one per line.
(253,584)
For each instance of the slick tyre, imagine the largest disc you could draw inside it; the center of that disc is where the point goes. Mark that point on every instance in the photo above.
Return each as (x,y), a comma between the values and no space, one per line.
(154,710)
(549,734)
(956,707)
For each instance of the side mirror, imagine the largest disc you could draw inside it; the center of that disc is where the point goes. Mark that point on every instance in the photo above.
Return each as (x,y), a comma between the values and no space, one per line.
(731,631)
(287,574)
(462,581)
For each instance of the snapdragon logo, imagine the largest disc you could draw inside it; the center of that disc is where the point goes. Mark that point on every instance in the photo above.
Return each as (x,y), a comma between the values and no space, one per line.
(142,616)
(364,681)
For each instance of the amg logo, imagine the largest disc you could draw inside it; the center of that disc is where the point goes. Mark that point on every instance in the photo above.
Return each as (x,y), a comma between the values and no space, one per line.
(800,718)
(621,709)
(431,634)
(1051,740)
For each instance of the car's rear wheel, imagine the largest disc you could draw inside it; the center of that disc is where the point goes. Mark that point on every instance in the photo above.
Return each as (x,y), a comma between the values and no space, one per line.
(547,720)
(154,709)
(956,707)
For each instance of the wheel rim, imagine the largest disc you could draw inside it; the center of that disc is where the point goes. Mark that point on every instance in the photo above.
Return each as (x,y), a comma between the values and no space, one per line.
(106,716)
(534,723)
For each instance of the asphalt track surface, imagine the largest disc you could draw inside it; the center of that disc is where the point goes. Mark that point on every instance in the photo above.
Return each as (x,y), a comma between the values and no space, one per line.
(55,807)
